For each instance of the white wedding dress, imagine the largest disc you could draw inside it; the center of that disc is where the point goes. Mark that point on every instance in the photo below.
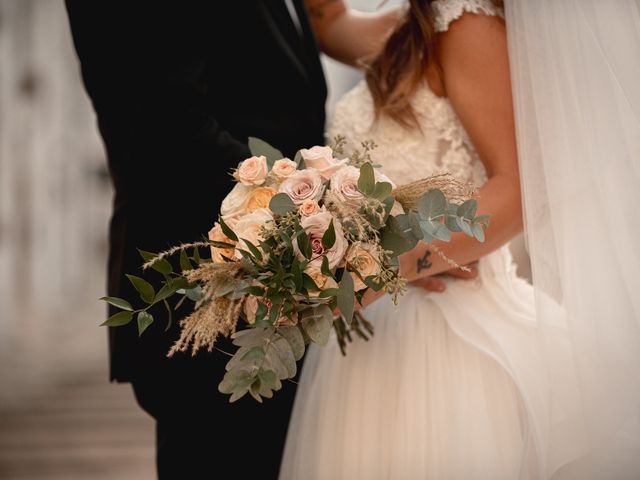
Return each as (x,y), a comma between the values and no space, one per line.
(450,384)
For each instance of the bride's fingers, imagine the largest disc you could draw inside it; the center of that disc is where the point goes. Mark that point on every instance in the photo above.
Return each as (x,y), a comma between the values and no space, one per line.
(432,284)
(459,273)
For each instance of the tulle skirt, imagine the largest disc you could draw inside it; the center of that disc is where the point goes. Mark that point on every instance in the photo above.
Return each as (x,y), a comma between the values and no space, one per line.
(449,387)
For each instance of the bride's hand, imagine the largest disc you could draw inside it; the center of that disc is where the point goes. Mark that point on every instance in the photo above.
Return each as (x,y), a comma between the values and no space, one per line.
(437,284)
(432,284)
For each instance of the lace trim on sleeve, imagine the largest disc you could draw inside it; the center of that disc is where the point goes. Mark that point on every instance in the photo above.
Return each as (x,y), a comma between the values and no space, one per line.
(446,11)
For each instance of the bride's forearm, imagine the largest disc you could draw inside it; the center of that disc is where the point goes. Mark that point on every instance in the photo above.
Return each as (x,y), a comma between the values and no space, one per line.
(499,197)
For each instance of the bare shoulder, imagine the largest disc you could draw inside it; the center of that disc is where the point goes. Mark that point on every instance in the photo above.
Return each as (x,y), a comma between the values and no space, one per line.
(473,39)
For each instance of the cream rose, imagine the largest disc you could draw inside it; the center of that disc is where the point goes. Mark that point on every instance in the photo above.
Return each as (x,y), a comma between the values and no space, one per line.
(283,168)
(321,280)
(364,258)
(259,198)
(252,171)
(250,308)
(249,228)
(344,183)
(309,207)
(217,235)
(321,158)
(233,204)
(303,185)
(315,226)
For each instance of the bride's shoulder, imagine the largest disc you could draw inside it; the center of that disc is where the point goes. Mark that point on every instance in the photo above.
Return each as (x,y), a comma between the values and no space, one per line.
(447,11)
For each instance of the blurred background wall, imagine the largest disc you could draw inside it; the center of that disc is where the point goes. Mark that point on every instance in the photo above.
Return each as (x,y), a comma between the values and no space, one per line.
(54,203)
(59,418)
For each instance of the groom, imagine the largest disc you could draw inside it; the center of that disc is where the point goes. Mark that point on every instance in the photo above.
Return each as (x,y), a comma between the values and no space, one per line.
(177,88)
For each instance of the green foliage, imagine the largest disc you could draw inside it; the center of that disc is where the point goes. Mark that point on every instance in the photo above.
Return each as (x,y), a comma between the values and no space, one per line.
(226,230)
(265,357)
(260,147)
(346,296)
(317,323)
(291,310)
(432,204)
(281,204)
(144,320)
(144,288)
(118,320)
(329,237)
(118,302)
(367,180)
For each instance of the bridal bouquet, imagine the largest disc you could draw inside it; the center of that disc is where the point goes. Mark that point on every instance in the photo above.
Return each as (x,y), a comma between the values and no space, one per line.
(297,244)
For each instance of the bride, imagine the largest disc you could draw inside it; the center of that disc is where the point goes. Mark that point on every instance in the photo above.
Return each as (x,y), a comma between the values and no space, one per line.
(428,397)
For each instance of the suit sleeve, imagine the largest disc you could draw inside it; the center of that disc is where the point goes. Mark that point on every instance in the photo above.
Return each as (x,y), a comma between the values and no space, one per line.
(145,69)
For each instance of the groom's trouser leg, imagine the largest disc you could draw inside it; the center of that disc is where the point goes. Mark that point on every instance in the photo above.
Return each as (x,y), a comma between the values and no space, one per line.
(199,434)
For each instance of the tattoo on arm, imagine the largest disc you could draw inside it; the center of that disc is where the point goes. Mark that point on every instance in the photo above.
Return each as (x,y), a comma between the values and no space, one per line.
(316,10)
(423,263)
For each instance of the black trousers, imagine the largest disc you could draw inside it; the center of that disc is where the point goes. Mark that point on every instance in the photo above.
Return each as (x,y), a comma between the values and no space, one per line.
(199,434)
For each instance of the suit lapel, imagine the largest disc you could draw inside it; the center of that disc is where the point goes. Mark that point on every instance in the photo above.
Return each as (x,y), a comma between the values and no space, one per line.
(311,47)
(274,20)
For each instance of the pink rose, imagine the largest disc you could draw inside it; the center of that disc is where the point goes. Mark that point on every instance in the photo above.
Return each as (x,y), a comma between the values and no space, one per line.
(303,185)
(321,158)
(344,183)
(253,171)
(283,168)
(315,226)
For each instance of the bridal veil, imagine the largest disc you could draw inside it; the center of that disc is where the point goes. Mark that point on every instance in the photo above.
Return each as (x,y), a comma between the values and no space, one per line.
(576,82)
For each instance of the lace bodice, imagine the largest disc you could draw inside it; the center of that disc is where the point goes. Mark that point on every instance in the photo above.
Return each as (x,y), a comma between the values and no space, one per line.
(441,145)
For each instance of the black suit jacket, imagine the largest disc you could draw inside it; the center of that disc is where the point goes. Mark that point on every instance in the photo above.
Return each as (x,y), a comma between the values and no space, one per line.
(177,88)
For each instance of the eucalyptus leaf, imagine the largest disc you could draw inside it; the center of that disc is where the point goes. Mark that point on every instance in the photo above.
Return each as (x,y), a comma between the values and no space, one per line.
(293,335)
(478,232)
(382,190)
(118,302)
(259,147)
(464,226)
(317,323)
(144,320)
(432,204)
(284,351)
(367,179)
(467,209)
(281,204)
(194,294)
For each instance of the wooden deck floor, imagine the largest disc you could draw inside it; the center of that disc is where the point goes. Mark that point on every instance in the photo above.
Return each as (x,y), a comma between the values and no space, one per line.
(83,428)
